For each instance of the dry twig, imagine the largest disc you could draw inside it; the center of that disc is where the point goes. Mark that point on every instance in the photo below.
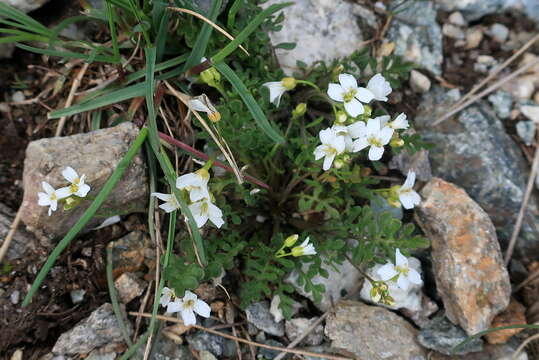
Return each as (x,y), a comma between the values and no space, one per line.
(71,96)
(10,234)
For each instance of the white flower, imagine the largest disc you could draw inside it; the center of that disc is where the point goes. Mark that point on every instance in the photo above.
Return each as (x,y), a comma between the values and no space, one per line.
(350,94)
(305,248)
(379,87)
(166,296)
(349,133)
(196,183)
(203,103)
(407,195)
(170,201)
(77,187)
(278,88)
(204,210)
(188,306)
(332,145)
(50,197)
(401,272)
(376,137)
(400,122)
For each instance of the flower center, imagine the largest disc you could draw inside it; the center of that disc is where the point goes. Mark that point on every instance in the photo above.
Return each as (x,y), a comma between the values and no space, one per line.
(349,95)
(330,150)
(402,270)
(374,141)
(53,196)
(74,187)
(189,304)
(204,208)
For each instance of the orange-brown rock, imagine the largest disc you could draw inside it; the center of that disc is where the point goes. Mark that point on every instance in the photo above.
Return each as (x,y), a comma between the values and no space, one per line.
(468,267)
(513,315)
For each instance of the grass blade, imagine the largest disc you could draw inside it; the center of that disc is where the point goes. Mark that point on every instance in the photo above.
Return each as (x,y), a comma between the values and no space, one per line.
(68,55)
(250,102)
(227,50)
(88,214)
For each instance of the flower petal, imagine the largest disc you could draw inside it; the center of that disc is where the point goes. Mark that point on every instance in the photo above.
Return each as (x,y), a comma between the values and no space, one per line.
(187,180)
(198,105)
(70,174)
(47,187)
(403,283)
(400,260)
(328,160)
(364,95)
(199,193)
(168,207)
(400,122)
(64,192)
(189,295)
(43,199)
(357,129)
(410,180)
(335,91)
(348,82)
(354,108)
(161,196)
(414,277)
(385,134)
(360,144)
(188,317)
(175,306)
(327,136)
(380,87)
(216,215)
(383,120)
(319,152)
(373,126)
(409,199)
(83,190)
(376,152)
(202,309)
(387,272)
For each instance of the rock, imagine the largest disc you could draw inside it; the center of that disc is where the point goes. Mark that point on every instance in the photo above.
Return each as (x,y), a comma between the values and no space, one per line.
(97,355)
(379,205)
(499,32)
(409,299)
(313,26)
(526,131)
(521,88)
(453,31)
(502,103)
(129,286)
(456,18)
(206,355)
(441,335)
(485,63)
(531,112)
(99,329)
(471,9)
(418,36)
(22,241)
(338,283)
(259,315)
(25,5)
(372,332)
(514,314)
(421,317)
(276,311)
(474,36)
(77,295)
(490,352)
(128,252)
(264,353)
(419,82)
(468,266)
(166,349)
(417,162)
(96,155)
(296,327)
(495,174)
(217,345)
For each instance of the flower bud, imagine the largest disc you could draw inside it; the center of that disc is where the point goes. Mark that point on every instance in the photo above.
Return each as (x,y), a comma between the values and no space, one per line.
(289,83)
(203,173)
(367,111)
(291,240)
(339,163)
(337,70)
(300,110)
(341,117)
(210,76)
(396,142)
(214,116)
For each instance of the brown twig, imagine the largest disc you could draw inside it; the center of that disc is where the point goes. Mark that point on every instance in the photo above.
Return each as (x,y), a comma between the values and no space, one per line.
(10,234)
(231,337)
(485,92)
(523,345)
(518,225)
(497,70)
(532,277)
(71,96)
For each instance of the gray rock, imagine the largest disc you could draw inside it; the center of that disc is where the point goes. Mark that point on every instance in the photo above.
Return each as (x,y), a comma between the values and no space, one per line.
(526,131)
(372,332)
(417,36)
(379,205)
(417,162)
(96,155)
(259,315)
(264,353)
(296,327)
(276,311)
(25,5)
(472,9)
(96,355)
(341,281)
(502,102)
(77,295)
(499,32)
(441,335)
(471,277)
(490,352)
(129,286)
(474,151)
(217,345)
(166,349)
(322,30)
(419,82)
(100,328)
(22,241)
(206,355)
(531,112)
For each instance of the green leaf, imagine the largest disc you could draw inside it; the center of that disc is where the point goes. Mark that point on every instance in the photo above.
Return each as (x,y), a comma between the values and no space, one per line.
(250,102)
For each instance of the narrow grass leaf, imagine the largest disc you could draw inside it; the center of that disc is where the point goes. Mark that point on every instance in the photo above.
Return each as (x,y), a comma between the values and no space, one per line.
(250,102)
(88,214)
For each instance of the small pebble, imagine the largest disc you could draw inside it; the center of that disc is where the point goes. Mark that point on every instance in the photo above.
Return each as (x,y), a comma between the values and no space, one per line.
(499,32)
(531,112)
(536,98)
(14,297)
(419,82)
(453,31)
(526,131)
(456,18)
(473,37)
(18,96)
(77,295)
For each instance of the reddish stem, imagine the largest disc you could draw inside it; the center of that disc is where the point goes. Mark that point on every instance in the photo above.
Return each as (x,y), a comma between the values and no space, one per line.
(205,157)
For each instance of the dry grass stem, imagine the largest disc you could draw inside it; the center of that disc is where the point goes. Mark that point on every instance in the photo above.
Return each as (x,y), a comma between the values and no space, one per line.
(10,234)
(71,96)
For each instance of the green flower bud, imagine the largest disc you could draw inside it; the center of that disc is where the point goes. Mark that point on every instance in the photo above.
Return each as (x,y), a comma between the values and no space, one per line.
(300,110)
(396,142)
(341,117)
(291,240)
(210,76)
(289,83)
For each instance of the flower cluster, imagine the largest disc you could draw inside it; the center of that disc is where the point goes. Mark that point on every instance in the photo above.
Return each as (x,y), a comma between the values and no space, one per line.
(76,188)
(186,306)
(351,134)
(201,206)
